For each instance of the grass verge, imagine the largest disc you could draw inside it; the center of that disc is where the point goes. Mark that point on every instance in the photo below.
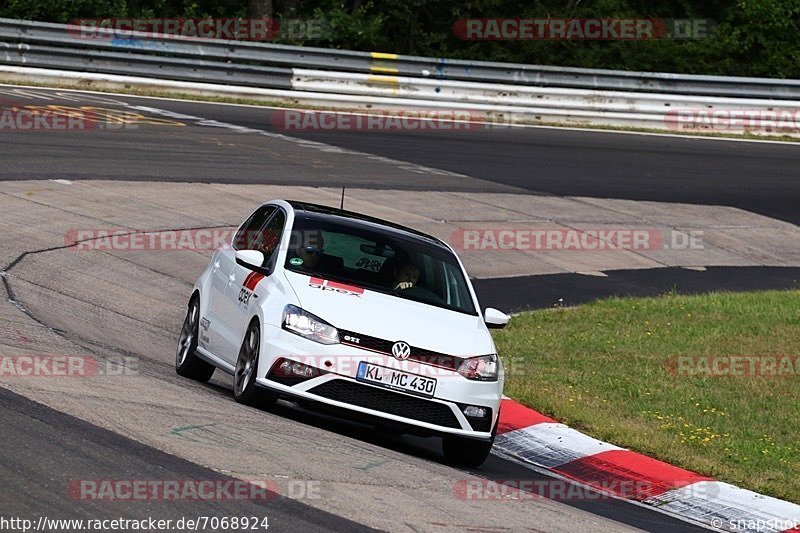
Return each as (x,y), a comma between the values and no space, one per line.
(610,368)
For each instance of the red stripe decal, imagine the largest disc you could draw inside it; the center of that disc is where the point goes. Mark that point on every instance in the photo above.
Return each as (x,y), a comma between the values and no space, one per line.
(628,474)
(343,286)
(252,280)
(514,415)
(335,285)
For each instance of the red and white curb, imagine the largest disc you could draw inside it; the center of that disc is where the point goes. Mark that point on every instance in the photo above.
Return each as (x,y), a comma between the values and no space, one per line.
(532,438)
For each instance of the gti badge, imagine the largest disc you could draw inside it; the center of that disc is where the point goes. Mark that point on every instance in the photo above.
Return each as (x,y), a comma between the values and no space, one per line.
(401,350)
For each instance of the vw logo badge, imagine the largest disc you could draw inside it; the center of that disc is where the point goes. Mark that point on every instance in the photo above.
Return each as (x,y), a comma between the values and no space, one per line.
(401,350)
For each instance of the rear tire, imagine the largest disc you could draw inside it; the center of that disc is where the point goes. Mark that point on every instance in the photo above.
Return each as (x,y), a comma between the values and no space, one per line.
(462,451)
(187,363)
(245,390)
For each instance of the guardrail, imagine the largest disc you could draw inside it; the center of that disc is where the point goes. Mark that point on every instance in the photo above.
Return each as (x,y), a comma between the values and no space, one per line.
(340,78)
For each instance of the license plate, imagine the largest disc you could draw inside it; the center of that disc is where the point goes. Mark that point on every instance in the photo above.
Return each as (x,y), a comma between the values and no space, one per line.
(395,379)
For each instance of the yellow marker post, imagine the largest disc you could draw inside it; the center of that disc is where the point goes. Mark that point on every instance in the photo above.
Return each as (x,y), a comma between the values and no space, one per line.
(382,66)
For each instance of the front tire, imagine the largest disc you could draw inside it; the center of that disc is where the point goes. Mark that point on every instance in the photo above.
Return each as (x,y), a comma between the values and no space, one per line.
(466,452)
(245,390)
(187,363)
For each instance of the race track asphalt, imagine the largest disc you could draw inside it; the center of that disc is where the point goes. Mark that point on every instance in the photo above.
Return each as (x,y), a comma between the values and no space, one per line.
(757,177)
(539,292)
(44,451)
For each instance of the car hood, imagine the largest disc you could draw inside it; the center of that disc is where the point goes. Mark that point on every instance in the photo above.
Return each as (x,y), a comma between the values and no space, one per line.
(392,318)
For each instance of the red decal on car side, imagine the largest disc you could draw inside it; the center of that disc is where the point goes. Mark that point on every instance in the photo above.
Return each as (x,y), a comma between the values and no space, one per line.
(252,280)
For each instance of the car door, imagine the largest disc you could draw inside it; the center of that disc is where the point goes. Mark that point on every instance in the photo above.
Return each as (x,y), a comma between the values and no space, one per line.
(211,321)
(224,333)
(249,288)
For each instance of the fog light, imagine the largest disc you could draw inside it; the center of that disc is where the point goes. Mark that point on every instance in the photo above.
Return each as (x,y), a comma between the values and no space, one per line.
(473,411)
(293,368)
(299,369)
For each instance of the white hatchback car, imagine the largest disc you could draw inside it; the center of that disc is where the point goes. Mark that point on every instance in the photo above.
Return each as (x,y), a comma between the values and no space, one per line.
(351,314)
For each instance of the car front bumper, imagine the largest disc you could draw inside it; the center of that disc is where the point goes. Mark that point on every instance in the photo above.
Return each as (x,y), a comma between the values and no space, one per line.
(338,388)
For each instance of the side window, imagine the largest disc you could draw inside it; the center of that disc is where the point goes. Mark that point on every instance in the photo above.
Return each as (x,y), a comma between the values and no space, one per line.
(457,293)
(270,237)
(248,233)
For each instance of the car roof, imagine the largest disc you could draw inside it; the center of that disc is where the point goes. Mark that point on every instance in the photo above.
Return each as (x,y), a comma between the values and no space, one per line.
(324,211)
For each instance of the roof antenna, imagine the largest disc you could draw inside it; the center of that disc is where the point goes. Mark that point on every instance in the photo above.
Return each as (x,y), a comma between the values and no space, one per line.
(342,204)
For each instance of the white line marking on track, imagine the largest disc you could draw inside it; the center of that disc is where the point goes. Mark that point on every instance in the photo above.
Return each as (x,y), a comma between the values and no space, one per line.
(25,94)
(403,165)
(535,126)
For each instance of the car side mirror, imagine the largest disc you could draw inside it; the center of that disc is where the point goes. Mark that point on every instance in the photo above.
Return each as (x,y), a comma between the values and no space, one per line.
(495,319)
(252,260)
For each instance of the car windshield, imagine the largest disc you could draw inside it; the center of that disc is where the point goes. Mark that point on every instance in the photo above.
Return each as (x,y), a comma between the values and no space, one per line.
(360,254)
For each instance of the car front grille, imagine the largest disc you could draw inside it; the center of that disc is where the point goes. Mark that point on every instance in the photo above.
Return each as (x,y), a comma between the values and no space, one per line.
(374,344)
(388,402)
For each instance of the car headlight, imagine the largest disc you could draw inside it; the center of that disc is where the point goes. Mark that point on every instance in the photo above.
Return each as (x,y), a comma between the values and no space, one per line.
(483,368)
(309,326)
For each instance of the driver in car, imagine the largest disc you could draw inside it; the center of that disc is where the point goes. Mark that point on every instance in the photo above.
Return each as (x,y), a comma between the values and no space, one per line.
(405,276)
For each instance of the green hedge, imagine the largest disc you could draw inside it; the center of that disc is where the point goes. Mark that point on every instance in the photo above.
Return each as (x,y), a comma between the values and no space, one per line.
(753,37)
